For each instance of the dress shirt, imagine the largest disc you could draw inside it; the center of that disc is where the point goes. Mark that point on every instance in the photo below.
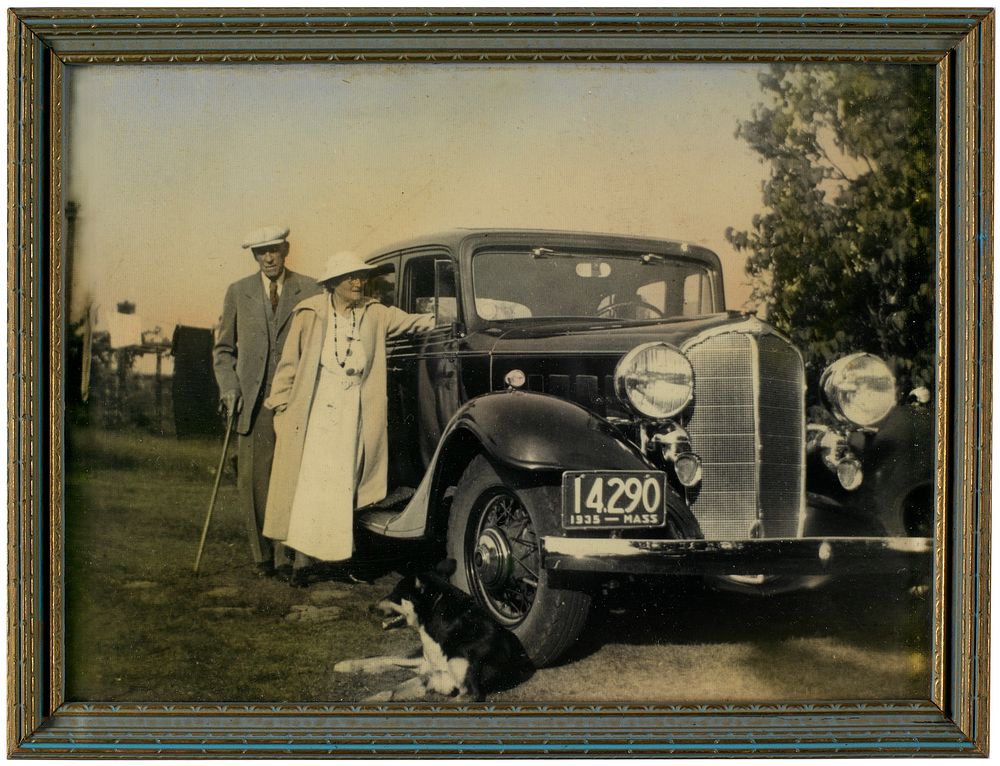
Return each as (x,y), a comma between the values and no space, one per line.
(280,281)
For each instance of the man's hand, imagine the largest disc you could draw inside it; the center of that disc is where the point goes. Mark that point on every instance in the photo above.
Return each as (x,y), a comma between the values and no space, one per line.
(232,402)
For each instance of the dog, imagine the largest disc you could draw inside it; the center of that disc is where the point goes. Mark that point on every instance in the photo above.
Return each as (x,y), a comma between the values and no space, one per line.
(464,653)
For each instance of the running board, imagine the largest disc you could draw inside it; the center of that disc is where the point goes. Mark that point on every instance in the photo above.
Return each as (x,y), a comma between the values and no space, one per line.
(378,516)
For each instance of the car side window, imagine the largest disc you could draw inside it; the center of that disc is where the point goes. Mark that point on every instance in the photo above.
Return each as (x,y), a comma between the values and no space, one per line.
(431,288)
(381,284)
(690,294)
(697,294)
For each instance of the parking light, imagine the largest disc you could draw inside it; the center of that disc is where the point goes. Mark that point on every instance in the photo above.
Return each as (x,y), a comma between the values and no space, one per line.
(515,379)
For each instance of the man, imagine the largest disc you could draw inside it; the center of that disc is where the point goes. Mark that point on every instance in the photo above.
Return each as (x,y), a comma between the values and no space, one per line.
(252,332)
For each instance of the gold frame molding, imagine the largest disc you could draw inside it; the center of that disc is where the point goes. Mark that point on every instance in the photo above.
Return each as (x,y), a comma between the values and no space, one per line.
(41,43)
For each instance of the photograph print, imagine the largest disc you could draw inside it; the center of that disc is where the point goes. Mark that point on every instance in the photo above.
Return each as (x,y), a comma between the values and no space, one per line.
(516,383)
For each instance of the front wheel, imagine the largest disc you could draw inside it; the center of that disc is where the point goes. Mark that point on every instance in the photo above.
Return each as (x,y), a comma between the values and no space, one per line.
(494,535)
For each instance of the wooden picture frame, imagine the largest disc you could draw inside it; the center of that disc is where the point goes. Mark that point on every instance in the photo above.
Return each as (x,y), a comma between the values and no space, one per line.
(43,44)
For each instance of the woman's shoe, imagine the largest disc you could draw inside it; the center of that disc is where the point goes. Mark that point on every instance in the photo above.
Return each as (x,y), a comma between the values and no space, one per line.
(300,577)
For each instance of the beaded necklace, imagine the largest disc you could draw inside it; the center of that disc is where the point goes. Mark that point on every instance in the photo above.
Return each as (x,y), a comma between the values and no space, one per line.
(350,338)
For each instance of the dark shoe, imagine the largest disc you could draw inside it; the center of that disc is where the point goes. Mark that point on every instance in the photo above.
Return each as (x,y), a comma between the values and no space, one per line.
(282,573)
(265,569)
(299,578)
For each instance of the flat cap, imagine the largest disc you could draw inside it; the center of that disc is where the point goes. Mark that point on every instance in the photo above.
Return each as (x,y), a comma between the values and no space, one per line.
(269,235)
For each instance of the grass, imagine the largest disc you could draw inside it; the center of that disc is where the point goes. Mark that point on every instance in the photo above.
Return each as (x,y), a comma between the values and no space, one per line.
(97,449)
(142,627)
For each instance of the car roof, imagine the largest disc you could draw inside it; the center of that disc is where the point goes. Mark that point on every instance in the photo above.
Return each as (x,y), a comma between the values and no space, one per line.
(453,238)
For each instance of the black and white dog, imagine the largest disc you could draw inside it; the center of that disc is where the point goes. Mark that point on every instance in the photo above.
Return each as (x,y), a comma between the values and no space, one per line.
(465,653)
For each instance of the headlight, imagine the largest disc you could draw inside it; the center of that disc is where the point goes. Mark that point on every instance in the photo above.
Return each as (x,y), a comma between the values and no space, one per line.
(859,388)
(655,379)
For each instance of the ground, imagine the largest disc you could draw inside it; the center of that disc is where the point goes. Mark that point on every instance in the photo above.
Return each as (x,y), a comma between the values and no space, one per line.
(142,626)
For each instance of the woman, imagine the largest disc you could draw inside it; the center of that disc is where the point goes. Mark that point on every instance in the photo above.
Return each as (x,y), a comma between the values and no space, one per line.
(329,401)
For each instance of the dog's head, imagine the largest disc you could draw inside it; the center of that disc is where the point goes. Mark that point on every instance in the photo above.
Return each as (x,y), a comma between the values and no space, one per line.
(399,604)
(412,593)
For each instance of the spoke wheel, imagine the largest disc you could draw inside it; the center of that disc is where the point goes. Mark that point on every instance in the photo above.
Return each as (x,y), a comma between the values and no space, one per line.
(495,532)
(504,557)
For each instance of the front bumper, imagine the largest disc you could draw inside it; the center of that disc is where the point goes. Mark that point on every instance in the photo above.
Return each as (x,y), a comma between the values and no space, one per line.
(802,556)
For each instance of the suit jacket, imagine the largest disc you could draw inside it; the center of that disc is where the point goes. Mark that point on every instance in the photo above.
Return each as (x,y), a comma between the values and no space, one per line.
(243,344)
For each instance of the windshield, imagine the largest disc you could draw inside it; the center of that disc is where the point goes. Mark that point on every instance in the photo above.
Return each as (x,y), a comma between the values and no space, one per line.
(520,284)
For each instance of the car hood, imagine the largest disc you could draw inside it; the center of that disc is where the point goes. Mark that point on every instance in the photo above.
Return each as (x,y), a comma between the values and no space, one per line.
(608,336)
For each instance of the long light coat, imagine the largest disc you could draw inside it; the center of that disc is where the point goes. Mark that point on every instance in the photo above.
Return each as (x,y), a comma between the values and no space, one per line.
(292,397)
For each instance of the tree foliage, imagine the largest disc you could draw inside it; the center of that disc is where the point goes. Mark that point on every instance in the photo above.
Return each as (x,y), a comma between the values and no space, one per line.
(843,259)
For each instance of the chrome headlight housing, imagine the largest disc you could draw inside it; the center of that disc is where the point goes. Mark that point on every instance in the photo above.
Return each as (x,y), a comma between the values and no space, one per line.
(859,389)
(655,379)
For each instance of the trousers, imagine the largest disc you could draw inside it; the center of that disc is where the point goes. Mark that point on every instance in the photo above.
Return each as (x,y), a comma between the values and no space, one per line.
(254,455)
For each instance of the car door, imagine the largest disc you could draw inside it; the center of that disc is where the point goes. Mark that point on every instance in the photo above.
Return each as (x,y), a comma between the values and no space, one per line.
(383,285)
(426,365)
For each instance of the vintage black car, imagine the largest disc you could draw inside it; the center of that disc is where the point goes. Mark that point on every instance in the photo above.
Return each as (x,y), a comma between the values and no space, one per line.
(588,409)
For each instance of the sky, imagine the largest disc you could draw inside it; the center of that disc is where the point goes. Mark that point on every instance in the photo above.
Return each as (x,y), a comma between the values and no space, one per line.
(172,165)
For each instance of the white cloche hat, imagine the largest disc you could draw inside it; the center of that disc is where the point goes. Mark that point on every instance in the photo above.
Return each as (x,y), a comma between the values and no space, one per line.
(344,262)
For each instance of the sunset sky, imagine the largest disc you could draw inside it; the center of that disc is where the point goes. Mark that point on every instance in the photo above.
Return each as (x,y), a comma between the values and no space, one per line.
(172,165)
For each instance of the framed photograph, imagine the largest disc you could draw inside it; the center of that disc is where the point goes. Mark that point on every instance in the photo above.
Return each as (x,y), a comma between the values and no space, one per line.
(499,382)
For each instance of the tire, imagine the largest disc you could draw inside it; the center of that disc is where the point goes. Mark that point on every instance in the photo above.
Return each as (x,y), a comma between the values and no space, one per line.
(494,536)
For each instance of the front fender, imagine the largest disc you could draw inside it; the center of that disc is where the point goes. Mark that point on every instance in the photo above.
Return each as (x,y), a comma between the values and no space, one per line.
(896,496)
(899,472)
(528,433)
(537,432)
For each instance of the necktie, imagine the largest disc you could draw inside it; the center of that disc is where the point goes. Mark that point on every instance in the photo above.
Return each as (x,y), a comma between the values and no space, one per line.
(274,296)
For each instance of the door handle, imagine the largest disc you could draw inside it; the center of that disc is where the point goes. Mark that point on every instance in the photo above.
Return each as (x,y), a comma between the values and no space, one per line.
(395,369)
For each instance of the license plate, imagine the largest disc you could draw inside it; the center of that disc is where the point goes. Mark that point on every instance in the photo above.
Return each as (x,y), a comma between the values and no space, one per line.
(613,499)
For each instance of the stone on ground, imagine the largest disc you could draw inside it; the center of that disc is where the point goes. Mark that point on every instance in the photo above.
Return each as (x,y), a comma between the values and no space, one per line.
(310,613)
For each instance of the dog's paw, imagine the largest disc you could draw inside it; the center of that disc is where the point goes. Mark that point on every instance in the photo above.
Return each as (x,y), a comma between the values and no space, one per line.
(349,666)
(385,696)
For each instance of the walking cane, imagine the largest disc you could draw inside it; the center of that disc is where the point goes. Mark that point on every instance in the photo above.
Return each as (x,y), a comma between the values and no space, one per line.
(215,489)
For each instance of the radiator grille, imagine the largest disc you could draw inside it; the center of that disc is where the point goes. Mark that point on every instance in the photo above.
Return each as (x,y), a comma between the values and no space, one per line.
(747,424)
(782,432)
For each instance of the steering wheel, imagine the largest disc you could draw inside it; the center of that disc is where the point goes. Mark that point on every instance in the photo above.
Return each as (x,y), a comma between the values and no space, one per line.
(637,303)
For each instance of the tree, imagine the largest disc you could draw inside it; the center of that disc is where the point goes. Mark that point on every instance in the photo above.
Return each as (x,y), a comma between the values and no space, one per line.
(843,259)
